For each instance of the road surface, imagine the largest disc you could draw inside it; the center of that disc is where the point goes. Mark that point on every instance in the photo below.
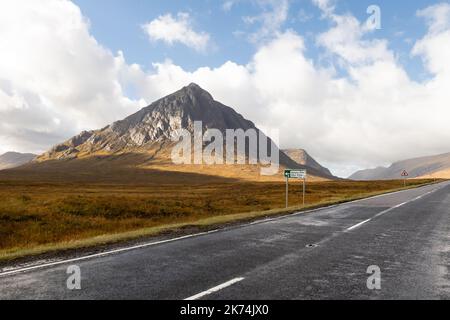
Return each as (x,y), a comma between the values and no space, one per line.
(323,254)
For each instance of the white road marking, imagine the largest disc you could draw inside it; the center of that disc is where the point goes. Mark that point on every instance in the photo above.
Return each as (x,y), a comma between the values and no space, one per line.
(364,199)
(215,289)
(335,206)
(358,225)
(106,253)
(102,254)
(388,210)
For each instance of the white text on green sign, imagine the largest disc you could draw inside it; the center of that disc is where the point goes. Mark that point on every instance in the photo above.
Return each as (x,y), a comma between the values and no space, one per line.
(295,174)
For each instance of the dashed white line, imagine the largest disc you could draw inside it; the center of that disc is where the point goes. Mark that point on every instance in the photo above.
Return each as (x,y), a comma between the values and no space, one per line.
(358,225)
(215,289)
(388,210)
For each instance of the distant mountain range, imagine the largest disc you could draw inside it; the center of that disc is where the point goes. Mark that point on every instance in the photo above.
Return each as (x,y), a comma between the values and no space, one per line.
(424,167)
(143,140)
(15,159)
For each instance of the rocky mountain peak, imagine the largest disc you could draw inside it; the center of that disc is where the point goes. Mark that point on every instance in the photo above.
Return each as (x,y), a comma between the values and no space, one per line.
(156,123)
(151,130)
(302,157)
(179,111)
(194,91)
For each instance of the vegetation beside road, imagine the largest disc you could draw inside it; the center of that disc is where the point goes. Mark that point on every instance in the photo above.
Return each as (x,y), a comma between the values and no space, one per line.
(41,217)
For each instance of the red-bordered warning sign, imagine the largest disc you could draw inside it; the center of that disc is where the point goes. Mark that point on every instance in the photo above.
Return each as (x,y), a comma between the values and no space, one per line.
(405,173)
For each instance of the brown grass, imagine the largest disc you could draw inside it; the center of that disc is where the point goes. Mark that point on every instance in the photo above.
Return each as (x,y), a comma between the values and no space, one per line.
(38,217)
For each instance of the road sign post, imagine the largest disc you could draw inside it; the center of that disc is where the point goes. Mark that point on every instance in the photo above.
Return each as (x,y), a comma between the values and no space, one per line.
(295,174)
(405,175)
(304,190)
(287,192)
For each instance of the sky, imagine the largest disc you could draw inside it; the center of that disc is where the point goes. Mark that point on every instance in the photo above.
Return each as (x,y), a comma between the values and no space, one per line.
(356,83)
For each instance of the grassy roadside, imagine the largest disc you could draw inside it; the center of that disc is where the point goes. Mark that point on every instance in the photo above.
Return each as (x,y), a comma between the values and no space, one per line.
(169,225)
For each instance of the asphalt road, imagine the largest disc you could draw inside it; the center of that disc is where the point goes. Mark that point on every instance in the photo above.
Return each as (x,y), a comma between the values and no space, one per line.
(319,255)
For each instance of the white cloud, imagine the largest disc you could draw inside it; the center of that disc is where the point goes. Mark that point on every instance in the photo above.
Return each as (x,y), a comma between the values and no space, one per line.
(303,16)
(55,79)
(274,14)
(346,40)
(327,6)
(437,17)
(434,48)
(228,5)
(177,29)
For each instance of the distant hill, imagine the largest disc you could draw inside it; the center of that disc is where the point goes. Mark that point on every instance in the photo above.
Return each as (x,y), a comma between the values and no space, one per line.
(302,157)
(15,159)
(143,141)
(424,167)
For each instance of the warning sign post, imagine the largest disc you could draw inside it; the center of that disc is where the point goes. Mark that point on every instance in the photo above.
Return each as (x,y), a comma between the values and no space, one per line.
(405,176)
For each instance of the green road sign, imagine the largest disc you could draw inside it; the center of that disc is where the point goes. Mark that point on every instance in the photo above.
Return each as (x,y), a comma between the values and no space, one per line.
(295,174)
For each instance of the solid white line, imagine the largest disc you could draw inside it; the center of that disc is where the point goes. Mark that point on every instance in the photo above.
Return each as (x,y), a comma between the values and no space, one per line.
(215,289)
(102,254)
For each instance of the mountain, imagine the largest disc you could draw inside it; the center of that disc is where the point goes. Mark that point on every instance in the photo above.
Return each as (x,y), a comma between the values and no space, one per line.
(14,159)
(378,173)
(143,140)
(302,157)
(155,124)
(424,167)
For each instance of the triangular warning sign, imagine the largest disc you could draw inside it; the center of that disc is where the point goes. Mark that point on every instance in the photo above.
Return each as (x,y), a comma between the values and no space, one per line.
(405,173)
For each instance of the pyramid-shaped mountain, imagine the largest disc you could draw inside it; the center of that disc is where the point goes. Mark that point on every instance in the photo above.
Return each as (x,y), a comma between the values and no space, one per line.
(149,132)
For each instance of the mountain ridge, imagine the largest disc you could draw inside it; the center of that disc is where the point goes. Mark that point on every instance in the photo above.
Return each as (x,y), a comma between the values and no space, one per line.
(437,166)
(13,159)
(302,157)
